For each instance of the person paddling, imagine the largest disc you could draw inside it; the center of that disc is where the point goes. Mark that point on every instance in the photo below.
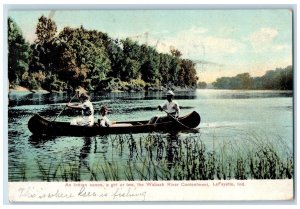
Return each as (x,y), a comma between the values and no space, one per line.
(170,107)
(87,110)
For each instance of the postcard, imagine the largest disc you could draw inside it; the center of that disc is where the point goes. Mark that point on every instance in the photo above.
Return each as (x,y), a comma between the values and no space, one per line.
(150,104)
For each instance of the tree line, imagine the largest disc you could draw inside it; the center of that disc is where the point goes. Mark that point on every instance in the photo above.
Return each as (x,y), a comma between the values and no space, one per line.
(91,59)
(278,79)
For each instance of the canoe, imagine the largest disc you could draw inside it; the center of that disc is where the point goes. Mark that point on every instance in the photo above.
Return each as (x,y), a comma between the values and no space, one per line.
(42,126)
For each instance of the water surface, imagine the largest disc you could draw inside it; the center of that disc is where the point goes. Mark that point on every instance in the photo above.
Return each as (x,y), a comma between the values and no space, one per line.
(227,117)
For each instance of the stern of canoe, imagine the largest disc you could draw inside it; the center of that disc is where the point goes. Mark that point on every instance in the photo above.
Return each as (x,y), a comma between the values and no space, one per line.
(38,125)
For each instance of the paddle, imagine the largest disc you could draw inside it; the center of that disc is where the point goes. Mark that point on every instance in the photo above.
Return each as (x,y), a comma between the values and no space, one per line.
(176,120)
(64,107)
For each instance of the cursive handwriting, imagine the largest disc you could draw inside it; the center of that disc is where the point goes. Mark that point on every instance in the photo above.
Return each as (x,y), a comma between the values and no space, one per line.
(32,192)
(129,194)
(84,192)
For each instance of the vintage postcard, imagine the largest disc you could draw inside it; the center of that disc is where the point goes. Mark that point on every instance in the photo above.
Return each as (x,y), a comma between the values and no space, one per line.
(150,104)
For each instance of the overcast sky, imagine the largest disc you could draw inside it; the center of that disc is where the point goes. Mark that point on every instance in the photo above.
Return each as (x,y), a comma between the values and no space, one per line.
(222,42)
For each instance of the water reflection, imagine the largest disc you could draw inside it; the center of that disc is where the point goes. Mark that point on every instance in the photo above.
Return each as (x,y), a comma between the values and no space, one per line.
(86,148)
(38,141)
(19,99)
(173,142)
(103,144)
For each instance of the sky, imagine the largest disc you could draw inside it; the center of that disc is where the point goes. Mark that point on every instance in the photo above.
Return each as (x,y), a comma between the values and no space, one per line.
(221,42)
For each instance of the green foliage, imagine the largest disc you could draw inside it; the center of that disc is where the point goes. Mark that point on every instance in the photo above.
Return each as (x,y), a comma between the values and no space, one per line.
(150,66)
(45,30)
(116,57)
(279,79)
(84,56)
(89,58)
(164,67)
(187,74)
(18,53)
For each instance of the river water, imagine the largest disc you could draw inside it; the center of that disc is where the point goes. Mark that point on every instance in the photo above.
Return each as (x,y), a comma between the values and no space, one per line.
(226,116)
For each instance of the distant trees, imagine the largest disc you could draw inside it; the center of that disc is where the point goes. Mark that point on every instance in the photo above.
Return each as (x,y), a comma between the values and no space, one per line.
(278,79)
(201,85)
(91,59)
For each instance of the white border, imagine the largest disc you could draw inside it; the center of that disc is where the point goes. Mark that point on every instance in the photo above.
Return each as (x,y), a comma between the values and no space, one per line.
(111,3)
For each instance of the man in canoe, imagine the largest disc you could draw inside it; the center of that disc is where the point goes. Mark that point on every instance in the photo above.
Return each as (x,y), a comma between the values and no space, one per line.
(170,107)
(87,110)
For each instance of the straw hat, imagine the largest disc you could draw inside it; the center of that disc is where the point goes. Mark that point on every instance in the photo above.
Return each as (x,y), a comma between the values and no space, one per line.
(83,95)
(170,93)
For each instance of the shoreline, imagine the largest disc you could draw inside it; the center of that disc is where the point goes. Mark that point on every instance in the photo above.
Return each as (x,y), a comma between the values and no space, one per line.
(21,89)
(24,90)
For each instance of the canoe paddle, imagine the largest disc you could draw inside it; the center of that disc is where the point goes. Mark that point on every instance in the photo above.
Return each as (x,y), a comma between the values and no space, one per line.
(176,120)
(64,107)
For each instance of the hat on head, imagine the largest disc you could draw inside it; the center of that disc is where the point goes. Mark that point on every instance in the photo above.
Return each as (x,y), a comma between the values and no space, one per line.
(170,93)
(84,95)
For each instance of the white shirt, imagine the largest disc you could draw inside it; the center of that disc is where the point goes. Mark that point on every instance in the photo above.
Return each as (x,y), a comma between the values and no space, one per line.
(87,115)
(104,121)
(171,107)
(87,108)
(88,112)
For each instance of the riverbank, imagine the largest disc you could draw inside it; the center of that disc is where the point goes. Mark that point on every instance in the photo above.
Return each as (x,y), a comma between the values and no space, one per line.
(22,89)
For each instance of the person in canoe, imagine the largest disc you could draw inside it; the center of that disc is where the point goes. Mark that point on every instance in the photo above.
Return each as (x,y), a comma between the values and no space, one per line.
(104,121)
(87,110)
(170,107)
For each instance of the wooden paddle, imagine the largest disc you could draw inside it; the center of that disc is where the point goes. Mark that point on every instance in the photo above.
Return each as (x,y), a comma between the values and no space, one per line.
(176,120)
(64,107)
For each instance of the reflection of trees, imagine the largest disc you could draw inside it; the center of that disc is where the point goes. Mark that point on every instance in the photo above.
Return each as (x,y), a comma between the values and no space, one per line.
(86,149)
(83,162)
(103,148)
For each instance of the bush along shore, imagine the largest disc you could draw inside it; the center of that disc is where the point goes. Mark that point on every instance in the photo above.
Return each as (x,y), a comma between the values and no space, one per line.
(161,157)
(109,85)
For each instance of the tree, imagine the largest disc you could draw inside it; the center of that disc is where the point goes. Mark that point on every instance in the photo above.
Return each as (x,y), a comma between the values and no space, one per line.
(45,30)
(46,55)
(176,53)
(84,59)
(201,85)
(131,60)
(175,66)
(244,81)
(187,73)
(116,57)
(150,66)
(164,67)
(18,53)
(222,83)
